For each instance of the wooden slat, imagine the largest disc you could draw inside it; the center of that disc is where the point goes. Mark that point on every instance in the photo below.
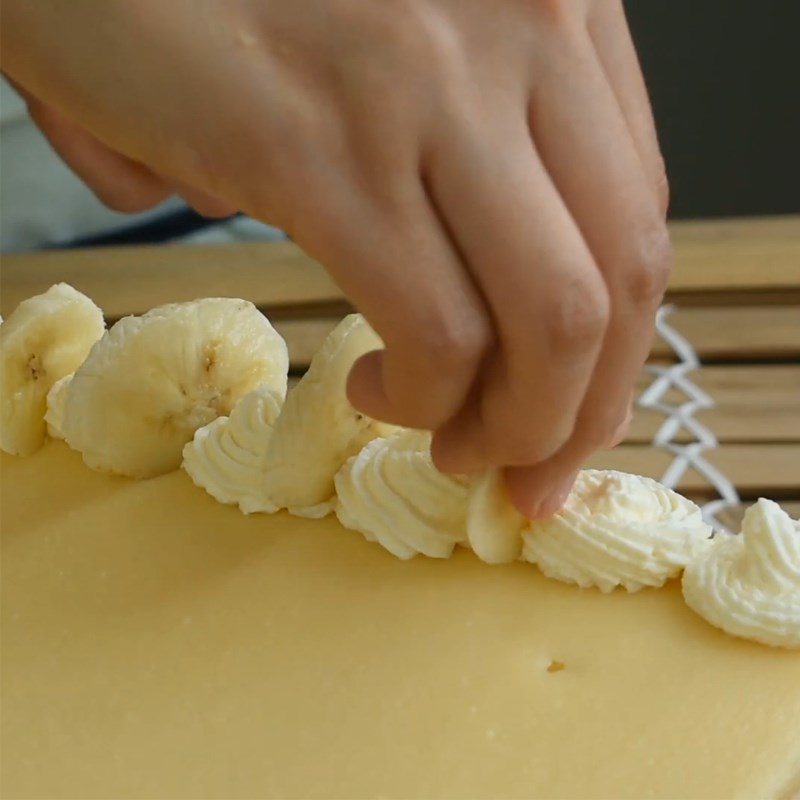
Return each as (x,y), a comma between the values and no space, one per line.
(753,254)
(729,334)
(304,337)
(131,280)
(792,508)
(735,334)
(770,469)
(754,403)
(751,404)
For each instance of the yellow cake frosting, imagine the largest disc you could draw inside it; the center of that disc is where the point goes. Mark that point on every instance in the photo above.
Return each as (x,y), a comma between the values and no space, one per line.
(157,643)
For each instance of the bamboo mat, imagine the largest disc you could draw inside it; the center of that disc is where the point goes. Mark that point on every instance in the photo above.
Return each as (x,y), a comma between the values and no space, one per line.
(735,291)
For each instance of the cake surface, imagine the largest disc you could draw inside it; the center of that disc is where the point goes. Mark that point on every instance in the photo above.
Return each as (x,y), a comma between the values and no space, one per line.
(159,644)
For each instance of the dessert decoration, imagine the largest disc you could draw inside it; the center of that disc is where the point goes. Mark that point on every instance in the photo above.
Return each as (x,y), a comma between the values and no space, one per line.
(205,382)
(226,457)
(617,529)
(56,399)
(286,456)
(317,429)
(494,526)
(152,381)
(392,493)
(46,337)
(749,585)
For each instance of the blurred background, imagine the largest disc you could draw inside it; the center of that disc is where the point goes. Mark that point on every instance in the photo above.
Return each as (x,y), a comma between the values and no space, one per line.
(724,77)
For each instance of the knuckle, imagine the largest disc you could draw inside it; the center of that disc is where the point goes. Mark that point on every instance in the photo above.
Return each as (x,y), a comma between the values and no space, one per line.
(598,430)
(662,188)
(577,318)
(517,437)
(454,344)
(559,13)
(649,267)
(415,34)
(598,435)
(522,450)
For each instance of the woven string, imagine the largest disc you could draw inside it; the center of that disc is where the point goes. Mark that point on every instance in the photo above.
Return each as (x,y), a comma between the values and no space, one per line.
(681,416)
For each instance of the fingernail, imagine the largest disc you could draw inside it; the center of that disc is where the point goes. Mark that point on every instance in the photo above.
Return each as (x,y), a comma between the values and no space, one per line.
(622,431)
(554,502)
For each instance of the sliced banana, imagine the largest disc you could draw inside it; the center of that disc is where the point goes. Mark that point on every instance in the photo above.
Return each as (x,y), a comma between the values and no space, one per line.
(56,400)
(46,337)
(318,429)
(153,380)
(393,494)
(494,526)
(226,457)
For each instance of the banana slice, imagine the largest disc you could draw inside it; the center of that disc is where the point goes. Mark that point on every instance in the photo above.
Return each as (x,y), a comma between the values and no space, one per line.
(153,380)
(494,526)
(56,400)
(393,494)
(46,337)
(226,457)
(318,429)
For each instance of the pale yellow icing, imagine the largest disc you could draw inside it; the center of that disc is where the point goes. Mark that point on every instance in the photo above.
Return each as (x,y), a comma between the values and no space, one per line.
(156,643)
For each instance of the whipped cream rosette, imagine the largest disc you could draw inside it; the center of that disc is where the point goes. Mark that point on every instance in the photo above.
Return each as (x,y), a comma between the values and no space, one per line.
(393,494)
(227,457)
(749,585)
(617,529)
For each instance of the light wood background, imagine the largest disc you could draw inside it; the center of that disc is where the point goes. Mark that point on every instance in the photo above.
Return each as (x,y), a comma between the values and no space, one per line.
(736,288)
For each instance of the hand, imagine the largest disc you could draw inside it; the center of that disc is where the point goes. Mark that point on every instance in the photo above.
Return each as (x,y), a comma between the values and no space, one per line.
(482,179)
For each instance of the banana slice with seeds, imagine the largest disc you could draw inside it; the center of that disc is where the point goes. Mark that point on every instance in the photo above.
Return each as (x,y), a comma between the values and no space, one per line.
(47,337)
(153,380)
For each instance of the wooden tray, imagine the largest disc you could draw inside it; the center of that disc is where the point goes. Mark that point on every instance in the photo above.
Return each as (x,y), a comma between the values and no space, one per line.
(735,288)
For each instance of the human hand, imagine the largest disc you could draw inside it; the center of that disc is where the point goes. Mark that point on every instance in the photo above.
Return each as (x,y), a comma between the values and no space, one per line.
(482,180)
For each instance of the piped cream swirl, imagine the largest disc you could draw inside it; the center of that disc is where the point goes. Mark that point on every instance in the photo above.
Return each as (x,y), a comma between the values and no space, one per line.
(749,585)
(227,456)
(393,494)
(617,529)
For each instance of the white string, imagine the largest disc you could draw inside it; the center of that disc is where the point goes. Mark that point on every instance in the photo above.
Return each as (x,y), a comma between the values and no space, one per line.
(681,416)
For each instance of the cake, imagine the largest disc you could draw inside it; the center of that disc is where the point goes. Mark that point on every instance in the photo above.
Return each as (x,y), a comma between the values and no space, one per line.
(158,642)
